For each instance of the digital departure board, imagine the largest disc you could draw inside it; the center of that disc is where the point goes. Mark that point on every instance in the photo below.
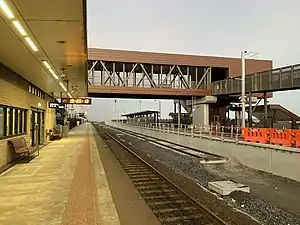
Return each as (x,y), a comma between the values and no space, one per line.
(76,101)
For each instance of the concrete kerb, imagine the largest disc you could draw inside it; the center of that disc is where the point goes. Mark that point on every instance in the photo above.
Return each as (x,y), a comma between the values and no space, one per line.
(276,160)
(106,207)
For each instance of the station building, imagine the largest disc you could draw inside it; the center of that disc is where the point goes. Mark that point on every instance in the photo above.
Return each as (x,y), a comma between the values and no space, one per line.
(43,57)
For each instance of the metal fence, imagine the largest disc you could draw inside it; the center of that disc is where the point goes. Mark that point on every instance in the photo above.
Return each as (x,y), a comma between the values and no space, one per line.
(211,131)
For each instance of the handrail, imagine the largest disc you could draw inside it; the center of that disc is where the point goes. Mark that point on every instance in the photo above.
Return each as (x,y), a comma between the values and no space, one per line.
(280,79)
(286,137)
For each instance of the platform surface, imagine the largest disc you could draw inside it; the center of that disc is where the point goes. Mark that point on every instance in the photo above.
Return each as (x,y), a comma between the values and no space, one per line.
(65,184)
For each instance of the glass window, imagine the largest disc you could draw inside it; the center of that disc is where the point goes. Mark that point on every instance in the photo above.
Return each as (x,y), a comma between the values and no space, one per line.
(8,130)
(25,121)
(12,121)
(2,121)
(20,115)
(16,121)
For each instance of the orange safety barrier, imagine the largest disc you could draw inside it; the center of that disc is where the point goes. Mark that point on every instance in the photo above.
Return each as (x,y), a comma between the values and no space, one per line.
(297,138)
(281,137)
(257,135)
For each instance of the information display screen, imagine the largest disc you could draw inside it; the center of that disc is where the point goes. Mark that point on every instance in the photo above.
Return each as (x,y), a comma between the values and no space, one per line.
(55,105)
(78,101)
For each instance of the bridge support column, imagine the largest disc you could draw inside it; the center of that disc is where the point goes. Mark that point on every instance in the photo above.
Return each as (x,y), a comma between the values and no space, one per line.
(201,112)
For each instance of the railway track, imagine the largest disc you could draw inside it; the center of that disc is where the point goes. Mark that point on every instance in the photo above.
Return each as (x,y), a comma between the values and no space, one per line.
(203,156)
(170,204)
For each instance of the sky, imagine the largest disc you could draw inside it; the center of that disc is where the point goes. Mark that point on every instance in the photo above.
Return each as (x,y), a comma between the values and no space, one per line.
(202,27)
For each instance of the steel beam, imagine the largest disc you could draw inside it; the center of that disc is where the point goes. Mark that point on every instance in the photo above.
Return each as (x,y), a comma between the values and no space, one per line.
(108,73)
(206,73)
(182,78)
(147,75)
(93,66)
(167,76)
(131,72)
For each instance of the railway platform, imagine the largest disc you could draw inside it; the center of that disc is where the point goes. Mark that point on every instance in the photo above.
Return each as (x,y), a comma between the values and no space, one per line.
(75,180)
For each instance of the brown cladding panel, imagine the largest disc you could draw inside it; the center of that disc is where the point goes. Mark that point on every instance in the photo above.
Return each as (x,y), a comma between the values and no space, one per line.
(234,64)
(158,92)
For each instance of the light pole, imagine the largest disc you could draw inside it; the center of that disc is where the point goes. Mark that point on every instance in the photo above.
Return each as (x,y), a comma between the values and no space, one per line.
(243,94)
(159,109)
(115,109)
(140,105)
(243,88)
(192,104)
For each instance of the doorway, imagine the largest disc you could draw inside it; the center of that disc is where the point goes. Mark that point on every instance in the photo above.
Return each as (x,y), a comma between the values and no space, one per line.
(37,126)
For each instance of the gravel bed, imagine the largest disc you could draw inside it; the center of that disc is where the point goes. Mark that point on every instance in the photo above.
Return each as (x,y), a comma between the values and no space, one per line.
(220,208)
(189,167)
(259,209)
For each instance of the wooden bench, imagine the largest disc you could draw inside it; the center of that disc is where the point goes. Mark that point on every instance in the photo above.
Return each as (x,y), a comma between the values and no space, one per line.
(21,147)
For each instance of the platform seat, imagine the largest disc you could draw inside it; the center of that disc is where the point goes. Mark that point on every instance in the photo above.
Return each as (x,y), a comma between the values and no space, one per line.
(21,148)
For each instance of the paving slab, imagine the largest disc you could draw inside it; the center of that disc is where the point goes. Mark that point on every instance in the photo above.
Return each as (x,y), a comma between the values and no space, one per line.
(226,187)
(57,187)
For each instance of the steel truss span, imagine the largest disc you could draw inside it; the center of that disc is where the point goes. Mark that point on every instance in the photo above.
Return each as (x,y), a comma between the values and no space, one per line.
(141,79)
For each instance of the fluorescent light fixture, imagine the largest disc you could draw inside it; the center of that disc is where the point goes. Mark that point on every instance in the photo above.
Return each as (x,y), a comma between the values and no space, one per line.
(52,71)
(63,86)
(69,95)
(53,74)
(31,44)
(19,28)
(47,65)
(6,10)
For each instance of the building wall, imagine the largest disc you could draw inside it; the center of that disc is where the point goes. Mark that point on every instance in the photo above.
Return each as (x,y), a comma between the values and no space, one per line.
(14,92)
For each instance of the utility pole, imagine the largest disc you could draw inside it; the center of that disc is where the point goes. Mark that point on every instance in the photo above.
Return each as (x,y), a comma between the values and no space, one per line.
(115,109)
(243,94)
(159,109)
(243,89)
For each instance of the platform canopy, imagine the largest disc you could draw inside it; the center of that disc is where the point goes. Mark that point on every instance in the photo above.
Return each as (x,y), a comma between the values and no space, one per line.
(54,31)
(141,113)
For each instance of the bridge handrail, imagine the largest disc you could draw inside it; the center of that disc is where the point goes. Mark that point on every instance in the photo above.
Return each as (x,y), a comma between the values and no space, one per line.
(284,78)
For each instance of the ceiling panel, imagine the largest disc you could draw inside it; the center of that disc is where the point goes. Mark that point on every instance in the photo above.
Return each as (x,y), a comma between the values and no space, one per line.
(47,23)
(69,55)
(71,32)
(50,10)
(15,55)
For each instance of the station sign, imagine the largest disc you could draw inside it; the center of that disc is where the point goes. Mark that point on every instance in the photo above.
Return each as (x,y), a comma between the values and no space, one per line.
(55,105)
(78,101)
